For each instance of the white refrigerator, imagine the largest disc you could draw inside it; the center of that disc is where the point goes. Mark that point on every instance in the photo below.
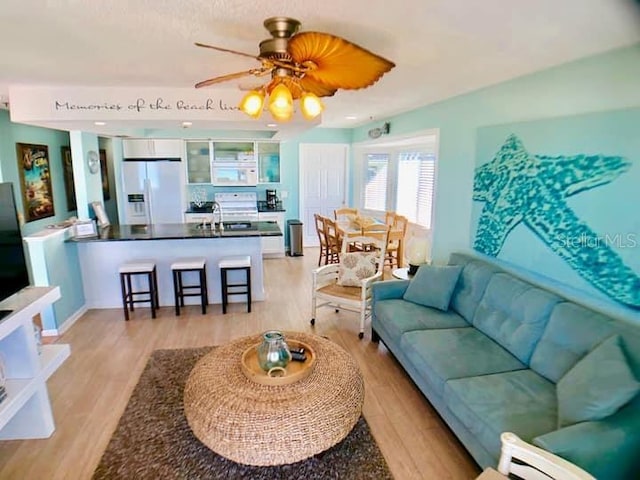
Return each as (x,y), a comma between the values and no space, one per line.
(154,191)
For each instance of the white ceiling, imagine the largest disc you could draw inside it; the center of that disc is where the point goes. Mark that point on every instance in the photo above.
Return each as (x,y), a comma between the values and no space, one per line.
(441,48)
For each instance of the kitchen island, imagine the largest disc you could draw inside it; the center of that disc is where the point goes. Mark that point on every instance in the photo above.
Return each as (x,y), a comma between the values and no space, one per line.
(100,256)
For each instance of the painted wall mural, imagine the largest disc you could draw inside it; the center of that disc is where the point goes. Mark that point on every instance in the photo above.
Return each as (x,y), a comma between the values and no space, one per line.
(530,192)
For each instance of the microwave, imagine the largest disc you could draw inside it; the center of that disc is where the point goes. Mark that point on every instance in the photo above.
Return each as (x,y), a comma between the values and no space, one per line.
(236,174)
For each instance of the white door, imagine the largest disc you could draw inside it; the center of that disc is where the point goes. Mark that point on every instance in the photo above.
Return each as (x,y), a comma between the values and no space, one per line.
(323,183)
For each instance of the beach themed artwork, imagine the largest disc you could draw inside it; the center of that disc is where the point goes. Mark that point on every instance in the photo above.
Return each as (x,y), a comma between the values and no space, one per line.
(35,181)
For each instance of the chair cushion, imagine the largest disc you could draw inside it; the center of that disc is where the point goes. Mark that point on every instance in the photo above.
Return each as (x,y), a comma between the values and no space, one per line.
(521,402)
(597,385)
(355,267)
(432,286)
(441,355)
(400,316)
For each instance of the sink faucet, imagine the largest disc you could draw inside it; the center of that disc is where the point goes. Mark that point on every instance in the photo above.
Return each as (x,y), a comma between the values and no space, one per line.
(216,208)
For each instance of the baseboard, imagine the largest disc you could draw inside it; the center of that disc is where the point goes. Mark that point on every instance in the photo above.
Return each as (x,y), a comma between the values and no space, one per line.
(66,325)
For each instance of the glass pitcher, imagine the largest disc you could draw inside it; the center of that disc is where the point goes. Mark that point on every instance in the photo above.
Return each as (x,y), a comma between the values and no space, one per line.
(273,352)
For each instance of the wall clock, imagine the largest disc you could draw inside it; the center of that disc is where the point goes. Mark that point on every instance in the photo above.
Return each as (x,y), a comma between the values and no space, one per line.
(93,161)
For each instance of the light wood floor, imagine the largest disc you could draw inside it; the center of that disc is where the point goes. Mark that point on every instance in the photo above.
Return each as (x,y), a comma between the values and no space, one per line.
(90,390)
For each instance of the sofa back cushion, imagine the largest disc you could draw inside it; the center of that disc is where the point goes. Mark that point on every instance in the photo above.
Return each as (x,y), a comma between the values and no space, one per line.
(574,330)
(471,284)
(514,313)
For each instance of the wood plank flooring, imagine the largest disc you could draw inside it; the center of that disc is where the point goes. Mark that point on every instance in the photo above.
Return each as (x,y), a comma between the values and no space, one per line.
(90,390)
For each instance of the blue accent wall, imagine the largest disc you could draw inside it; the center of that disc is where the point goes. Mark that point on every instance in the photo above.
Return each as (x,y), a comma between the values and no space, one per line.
(13,133)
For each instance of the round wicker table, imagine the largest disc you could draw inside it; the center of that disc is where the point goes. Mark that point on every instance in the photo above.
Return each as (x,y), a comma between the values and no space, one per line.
(257,424)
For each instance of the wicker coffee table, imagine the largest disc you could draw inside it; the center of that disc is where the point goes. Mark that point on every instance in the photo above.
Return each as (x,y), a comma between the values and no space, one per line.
(256,424)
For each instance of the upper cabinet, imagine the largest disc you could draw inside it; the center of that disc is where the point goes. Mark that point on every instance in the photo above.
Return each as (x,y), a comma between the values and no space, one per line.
(141,148)
(268,162)
(198,161)
(233,152)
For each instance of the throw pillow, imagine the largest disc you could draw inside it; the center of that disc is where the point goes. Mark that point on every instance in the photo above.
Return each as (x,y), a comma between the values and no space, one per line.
(433,286)
(597,386)
(355,267)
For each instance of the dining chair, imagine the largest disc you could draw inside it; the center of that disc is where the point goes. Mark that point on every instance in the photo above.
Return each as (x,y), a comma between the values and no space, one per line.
(324,246)
(345,214)
(389,217)
(334,240)
(347,285)
(395,250)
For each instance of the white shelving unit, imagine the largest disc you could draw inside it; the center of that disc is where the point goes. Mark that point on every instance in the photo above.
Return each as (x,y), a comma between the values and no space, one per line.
(26,412)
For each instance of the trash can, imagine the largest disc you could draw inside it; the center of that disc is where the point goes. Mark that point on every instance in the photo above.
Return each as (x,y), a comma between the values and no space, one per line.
(295,237)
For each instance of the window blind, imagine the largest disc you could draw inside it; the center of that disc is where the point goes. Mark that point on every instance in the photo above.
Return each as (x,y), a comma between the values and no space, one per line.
(376,180)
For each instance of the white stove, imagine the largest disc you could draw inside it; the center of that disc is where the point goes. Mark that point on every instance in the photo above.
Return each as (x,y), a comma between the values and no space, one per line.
(238,206)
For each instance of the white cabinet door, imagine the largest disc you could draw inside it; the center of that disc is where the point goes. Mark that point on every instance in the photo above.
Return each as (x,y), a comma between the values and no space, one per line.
(152,148)
(273,246)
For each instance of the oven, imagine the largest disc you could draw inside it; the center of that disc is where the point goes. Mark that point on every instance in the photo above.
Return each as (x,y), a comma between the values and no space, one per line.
(238,206)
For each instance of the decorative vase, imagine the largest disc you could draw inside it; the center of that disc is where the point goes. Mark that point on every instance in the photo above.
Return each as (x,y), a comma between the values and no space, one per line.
(273,352)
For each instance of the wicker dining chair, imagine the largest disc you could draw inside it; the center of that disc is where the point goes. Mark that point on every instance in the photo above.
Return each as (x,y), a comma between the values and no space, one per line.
(397,234)
(345,214)
(323,257)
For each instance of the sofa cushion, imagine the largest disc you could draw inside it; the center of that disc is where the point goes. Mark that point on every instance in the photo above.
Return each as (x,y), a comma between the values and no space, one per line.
(514,314)
(400,316)
(521,402)
(571,332)
(454,353)
(432,286)
(597,386)
(471,285)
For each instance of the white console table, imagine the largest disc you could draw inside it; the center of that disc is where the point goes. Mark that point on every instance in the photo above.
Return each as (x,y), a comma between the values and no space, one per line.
(26,412)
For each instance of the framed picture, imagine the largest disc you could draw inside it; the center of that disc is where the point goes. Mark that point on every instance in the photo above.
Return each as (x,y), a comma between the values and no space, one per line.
(69,185)
(35,180)
(105,174)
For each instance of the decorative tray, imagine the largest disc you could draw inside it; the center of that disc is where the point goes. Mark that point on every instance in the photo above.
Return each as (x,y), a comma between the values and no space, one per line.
(294,371)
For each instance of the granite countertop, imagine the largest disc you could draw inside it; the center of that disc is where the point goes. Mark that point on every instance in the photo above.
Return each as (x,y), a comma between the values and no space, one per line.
(262,207)
(169,231)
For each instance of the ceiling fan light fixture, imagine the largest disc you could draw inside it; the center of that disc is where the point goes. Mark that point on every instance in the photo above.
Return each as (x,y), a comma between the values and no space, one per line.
(281,103)
(310,105)
(252,103)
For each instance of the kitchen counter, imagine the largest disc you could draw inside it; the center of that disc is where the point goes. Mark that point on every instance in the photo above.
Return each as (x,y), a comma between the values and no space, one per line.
(171,231)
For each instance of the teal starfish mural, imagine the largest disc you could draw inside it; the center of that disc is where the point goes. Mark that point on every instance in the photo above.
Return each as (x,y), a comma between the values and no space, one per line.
(518,187)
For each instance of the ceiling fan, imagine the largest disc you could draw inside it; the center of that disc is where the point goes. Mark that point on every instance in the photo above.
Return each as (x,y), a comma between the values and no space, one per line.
(304,66)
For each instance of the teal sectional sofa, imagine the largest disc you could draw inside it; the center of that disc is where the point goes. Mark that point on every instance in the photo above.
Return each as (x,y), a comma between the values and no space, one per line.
(505,355)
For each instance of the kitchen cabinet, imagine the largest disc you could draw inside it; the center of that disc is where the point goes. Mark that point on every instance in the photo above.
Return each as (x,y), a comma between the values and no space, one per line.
(233,152)
(273,246)
(198,161)
(268,162)
(142,148)
(26,412)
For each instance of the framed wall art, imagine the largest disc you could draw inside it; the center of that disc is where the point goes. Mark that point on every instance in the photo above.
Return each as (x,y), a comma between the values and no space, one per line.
(69,185)
(35,181)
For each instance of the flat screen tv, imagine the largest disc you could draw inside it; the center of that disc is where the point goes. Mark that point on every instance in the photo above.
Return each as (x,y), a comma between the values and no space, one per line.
(13,268)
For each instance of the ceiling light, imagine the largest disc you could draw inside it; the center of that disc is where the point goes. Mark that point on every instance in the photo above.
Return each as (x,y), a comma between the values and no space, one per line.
(310,105)
(187,124)
(351,117)
(281,103)
(252,103)
(272,125)
(100,124)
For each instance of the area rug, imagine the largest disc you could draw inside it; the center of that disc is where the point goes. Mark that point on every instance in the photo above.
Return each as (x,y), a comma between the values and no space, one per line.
(154,441)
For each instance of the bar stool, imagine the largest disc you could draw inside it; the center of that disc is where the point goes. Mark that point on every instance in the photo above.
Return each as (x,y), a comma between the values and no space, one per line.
(127,271)
(180,290)
(235,263)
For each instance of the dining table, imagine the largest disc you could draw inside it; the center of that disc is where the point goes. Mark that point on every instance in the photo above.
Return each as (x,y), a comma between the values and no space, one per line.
(356,225)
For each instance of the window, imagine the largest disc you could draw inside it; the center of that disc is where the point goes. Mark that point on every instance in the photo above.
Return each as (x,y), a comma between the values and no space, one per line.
(401,177)
(375,192)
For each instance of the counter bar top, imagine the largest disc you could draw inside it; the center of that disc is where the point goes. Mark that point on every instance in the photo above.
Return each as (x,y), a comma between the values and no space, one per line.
(168,231)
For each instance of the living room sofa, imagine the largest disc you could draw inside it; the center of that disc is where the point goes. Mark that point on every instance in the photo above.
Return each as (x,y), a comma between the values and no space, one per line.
(504,355)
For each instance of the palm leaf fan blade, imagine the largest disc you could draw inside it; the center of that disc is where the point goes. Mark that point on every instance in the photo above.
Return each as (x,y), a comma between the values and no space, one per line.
(336,62)
(311,85)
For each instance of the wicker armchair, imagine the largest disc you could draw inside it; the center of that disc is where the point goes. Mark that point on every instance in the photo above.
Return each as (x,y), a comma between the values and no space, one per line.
(327,290)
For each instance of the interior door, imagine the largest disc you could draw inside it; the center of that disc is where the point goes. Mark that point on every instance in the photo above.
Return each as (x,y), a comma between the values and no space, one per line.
(323,184)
